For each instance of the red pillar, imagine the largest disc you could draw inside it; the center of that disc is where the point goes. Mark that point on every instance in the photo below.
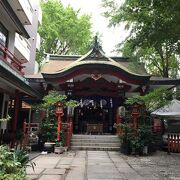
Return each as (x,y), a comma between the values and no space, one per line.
(69,130)
(59,128)
(17,106)
(118,122)
(68,135)
(135,116)
(71,123)
(25,133)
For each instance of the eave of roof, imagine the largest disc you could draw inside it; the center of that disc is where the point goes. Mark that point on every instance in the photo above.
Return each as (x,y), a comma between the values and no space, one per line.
(163,81)
(15,19)
(19,81)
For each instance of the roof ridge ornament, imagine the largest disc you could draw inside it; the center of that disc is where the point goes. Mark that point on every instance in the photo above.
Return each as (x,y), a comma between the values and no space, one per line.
(96,49)
(96,45)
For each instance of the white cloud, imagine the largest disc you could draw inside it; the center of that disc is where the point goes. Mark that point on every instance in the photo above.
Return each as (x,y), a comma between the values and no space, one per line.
(110,36)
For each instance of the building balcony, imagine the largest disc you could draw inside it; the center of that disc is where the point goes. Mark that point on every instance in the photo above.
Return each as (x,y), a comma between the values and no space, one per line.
(10,61)
(39,15)
(23,9)
(38,42)
(22,48)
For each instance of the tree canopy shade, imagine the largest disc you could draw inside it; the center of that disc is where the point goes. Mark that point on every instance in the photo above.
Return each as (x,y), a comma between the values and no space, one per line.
(154,99)
(63,30)
(154,32)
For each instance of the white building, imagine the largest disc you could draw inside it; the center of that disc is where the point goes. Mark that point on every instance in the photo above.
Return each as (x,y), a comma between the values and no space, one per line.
(19,20)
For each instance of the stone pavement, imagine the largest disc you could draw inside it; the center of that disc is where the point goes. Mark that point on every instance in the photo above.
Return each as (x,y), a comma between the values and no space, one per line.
(99,165)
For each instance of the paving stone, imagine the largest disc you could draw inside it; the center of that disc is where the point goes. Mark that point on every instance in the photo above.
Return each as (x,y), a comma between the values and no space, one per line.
(100,169)
(54,171)
(125,170)
(133,176)
(121,165)
(50,177)
(65,160)
(66,166)
(174,177)
(119,178)
(106,165)
(76,173)
(37,170)
(32,177)
(105,175)
(78,161)
(46,161)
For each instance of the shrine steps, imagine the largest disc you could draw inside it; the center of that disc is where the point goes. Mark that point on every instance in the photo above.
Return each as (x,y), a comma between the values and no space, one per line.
(95,142)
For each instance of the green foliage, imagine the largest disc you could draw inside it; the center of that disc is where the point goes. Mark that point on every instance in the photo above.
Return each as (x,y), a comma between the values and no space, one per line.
(153,100)
(63,30)
(12,164)
(59,144)
(19,135)
(49,130)
(136,138)
(49,102)
(62,142)
(145,134)
(154,32)
(7,118)
(52,98)
(72,103)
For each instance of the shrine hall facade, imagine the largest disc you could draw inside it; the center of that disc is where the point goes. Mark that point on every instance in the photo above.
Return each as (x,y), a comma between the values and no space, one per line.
(101,84)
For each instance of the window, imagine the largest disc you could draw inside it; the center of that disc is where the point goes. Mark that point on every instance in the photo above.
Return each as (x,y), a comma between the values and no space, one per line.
(3,35)
(1,103)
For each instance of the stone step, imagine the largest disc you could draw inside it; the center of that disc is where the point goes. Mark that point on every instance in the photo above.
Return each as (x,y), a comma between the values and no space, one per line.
(95,144)
(96,140)
(94,137)
(95,148)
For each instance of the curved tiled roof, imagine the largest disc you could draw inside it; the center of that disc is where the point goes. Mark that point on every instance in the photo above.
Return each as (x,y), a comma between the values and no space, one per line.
(95,57)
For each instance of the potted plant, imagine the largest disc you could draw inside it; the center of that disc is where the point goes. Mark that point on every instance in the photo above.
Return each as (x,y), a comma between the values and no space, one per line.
(146,137)
(125,131)
(140,140)
(136,144)
(60,145)
(59,148)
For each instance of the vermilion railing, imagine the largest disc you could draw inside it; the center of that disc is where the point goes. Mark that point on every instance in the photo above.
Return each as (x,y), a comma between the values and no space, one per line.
(11,60)
(173,143)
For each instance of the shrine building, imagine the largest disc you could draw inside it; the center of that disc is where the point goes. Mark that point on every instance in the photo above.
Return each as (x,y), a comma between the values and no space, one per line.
(101,84)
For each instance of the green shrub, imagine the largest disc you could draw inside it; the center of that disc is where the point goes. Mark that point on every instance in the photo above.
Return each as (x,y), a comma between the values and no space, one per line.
(13,164)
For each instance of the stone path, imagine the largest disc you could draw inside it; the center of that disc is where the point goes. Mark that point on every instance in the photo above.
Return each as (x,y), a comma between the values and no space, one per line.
(99,165)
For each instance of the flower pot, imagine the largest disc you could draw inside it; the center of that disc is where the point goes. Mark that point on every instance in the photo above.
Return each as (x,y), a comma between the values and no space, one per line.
(49,147)
(125,149)
(58,150)
(145,150)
